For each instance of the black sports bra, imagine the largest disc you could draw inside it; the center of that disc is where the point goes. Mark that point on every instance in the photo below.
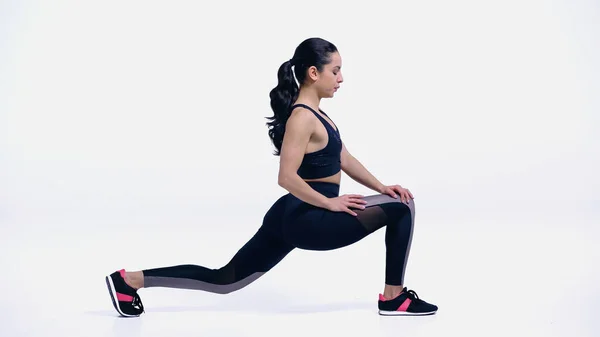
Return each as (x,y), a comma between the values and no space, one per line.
(326,161)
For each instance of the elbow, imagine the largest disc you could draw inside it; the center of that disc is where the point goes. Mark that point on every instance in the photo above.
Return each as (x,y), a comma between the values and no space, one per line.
(286,178)
(282,180)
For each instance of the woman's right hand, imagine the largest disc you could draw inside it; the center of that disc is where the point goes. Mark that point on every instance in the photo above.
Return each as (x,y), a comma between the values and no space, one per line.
(343,203)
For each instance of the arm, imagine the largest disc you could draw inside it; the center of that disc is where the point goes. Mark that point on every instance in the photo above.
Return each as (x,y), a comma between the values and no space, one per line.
(299,128)
(355,170)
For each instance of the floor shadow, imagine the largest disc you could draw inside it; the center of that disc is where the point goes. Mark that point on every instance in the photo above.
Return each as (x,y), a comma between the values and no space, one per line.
(272,309)
(105,313)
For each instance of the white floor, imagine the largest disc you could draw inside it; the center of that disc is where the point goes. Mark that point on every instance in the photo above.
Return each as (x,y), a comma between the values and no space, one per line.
(488,280)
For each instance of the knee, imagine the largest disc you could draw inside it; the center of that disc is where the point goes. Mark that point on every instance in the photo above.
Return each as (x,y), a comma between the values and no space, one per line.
(225,280)
(407,206)
(231,279)
(397,209)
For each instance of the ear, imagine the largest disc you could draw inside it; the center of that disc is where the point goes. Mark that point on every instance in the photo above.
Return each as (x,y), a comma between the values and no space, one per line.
(313,73)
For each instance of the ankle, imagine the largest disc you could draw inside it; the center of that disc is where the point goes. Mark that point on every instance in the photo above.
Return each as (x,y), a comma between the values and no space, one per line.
(134,279)
(391,292)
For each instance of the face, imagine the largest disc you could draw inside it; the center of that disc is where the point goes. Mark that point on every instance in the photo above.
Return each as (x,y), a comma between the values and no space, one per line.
(329,79)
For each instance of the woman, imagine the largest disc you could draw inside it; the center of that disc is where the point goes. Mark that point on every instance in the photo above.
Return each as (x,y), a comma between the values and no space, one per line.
(312,215)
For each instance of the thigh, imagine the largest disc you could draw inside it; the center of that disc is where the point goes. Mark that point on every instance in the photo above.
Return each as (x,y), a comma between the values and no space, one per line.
(313,228)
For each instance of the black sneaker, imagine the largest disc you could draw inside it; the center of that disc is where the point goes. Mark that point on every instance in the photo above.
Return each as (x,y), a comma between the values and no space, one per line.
(125,299)
(405,304)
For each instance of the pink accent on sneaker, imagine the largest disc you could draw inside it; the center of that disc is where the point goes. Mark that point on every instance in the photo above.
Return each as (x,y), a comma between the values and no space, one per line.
(383,299)
(124,298)
(405,305)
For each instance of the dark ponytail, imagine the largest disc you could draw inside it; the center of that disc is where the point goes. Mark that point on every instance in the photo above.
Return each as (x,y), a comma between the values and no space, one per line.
(282,97)
(311,52)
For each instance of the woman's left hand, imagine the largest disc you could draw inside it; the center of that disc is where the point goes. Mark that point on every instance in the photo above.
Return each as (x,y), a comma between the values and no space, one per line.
(395,190)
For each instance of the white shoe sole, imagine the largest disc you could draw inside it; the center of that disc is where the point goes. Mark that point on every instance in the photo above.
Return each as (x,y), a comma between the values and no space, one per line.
(404,313)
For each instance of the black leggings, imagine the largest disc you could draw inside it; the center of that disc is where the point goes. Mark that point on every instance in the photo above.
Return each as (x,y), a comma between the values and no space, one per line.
(291,223)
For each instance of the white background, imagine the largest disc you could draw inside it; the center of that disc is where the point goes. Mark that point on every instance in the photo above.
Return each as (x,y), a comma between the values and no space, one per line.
(132,135)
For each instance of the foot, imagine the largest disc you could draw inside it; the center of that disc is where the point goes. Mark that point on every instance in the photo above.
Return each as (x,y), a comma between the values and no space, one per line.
(405,304)
(125,298)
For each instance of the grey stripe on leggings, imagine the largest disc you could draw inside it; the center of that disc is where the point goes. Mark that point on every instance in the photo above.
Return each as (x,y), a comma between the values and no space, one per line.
(183,283)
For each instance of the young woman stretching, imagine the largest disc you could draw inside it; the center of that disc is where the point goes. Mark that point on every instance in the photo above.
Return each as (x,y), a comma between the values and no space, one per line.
(312,215)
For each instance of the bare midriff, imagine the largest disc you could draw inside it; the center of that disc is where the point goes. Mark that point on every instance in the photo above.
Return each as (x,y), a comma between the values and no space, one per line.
(335,179)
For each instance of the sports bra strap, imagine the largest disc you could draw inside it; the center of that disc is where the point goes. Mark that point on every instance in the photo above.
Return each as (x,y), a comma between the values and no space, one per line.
(311,109)
(303,105)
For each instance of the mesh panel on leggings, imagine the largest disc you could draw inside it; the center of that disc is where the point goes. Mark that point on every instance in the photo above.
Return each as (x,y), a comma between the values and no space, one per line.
(372,218)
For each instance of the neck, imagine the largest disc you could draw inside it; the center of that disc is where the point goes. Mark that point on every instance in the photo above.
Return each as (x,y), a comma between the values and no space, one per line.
(308,97)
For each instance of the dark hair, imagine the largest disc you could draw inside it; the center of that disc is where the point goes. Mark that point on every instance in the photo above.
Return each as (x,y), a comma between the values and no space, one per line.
(311,52)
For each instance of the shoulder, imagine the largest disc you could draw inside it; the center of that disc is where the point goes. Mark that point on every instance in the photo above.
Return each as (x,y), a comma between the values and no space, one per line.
(301,116)
(301,112)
